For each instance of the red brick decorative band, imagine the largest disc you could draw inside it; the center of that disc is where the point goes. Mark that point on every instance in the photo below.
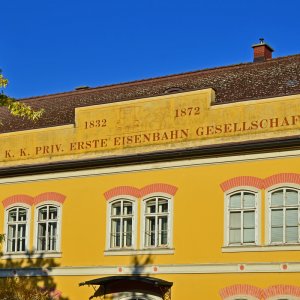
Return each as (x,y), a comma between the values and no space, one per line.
(250,181)
(259,293)
(122,191)
(50,196)
(158,188)
(282,178)
(282,290)
(241,290)
(242,181)
(24,199)
(138,193)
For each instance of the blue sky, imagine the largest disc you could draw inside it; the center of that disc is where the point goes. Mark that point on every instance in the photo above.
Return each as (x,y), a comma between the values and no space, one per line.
(55,46)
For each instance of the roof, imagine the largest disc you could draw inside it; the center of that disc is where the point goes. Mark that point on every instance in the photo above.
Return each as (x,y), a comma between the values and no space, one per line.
(114,279)
(242,82)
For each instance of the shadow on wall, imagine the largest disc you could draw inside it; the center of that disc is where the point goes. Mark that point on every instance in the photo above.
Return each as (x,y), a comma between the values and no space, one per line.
(136,285)
(28,278)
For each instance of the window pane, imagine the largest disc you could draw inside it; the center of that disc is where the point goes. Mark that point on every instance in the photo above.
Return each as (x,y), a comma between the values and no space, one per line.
(249,219)
(235,220)
(127,208)
(115,233)
(249,235)
(12,215)
(150,231)
(277,217)
(163,238)
(150,206)
(291,197)
(52,213)
(21,230)
(12,231)
(116,225)
(11,235)
(162,230)
(43,213)
(162,205)
(52,229)
(41,236)
(291,218)
(20,245)
(234,236)
(116,209)
(277,234)
(291,234)
(41,244)
(162,223)
(235,201)
(22,215)
(127,232)
(52,243)
(249,200)
(277,198)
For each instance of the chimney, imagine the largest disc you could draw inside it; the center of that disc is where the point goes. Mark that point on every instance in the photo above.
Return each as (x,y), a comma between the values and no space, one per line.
(262,51)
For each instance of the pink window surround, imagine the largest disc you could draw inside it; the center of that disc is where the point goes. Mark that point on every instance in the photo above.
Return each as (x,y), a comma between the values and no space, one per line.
(259,293)
(158,188)
(26,199)
(50,196)
(282,178)
(282,290)
(138,193)
(242,181)
(241,290)
(259,183)
(122,190)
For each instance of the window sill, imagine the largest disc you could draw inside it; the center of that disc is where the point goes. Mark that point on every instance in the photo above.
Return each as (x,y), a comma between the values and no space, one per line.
(253,248)
(31,255)
(139,252)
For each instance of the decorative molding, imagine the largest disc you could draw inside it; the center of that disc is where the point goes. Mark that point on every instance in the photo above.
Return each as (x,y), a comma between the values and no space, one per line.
(25,199)
(49,196)
(272,292)
(29,200)
(282,290)
(20,174)
(242,181)
(158,188)
(40,255)
(121,191)
(128,252)
(241,289)
(138,193)
(280,267)
(234,249)
(282,178)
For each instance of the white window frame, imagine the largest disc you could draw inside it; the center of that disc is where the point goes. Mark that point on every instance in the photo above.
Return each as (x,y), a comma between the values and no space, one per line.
(110,202)
(170,214)
(269,192)
(227,195)
(7,209)
(59,226)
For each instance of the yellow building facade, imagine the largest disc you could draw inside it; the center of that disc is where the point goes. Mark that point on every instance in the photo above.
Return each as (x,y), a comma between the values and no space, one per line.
(168,197)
